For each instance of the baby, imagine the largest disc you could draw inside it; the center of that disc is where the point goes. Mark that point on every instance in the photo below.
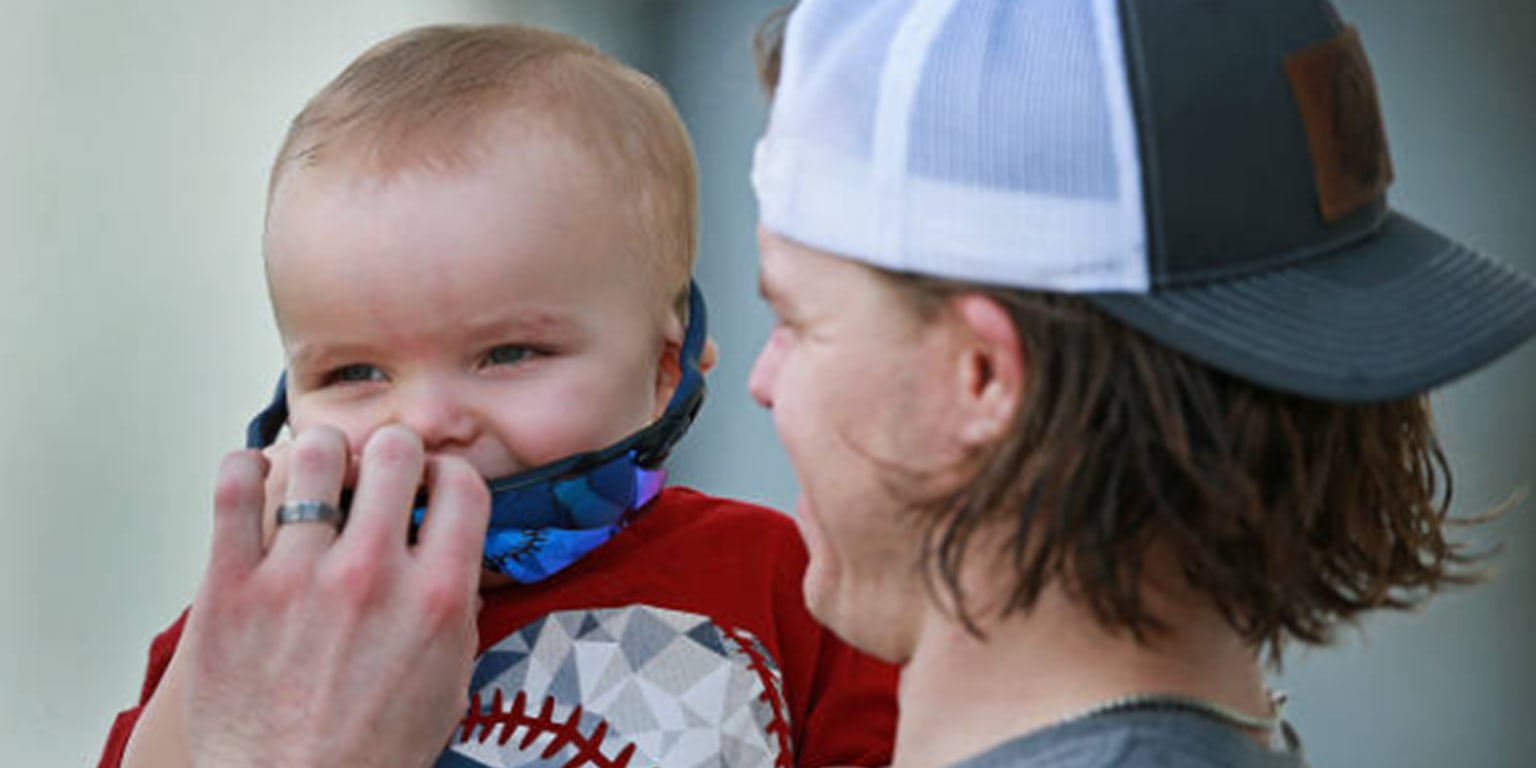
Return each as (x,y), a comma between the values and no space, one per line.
(486,235)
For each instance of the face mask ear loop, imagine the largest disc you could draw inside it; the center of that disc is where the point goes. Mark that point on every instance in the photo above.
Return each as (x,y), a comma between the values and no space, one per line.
(267,425)
(655,442)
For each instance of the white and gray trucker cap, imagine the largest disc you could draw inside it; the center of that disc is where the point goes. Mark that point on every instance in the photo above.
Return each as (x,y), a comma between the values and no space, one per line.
(1211,172)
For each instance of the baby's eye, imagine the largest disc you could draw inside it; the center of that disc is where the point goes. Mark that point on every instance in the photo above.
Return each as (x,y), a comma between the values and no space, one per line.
(508,354)
(355,373)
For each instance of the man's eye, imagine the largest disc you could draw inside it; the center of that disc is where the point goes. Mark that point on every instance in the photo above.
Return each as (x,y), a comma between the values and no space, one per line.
(354,374)
(507,354)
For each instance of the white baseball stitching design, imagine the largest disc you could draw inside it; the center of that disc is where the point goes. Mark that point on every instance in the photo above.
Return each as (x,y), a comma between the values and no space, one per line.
(624,688)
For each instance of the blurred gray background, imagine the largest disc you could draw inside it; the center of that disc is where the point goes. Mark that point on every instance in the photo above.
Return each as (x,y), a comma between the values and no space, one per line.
(135,339)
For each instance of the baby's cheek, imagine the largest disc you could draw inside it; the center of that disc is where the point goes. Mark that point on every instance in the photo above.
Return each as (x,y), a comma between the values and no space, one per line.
(550,437)
(583,421)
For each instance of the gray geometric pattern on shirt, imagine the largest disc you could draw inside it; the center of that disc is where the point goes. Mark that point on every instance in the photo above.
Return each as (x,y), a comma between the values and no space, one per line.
(674,685)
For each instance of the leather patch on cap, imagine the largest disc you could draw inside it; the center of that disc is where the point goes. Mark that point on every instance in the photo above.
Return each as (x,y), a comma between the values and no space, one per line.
(1334,89)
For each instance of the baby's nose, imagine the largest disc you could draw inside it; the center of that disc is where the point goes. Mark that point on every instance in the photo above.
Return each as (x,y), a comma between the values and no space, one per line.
(438,413)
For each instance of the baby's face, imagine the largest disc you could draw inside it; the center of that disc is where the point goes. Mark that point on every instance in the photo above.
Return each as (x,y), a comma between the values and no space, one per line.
(497,311)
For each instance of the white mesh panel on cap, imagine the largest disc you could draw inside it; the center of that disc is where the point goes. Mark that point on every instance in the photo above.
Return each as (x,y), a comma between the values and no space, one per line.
(987,140)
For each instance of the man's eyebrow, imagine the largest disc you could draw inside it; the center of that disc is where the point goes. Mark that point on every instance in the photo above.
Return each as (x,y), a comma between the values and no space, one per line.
(765,289)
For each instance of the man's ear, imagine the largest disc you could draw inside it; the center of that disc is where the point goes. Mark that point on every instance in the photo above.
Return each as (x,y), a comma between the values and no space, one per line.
(990,369)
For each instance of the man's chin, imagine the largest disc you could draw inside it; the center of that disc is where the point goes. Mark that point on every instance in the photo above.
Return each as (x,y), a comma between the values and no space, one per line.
(840,614)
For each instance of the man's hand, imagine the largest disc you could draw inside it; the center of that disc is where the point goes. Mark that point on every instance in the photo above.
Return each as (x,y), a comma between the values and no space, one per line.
(336,649)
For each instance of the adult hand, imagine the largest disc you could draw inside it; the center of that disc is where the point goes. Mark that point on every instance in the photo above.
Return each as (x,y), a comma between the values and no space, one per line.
(336,649)
(275,487)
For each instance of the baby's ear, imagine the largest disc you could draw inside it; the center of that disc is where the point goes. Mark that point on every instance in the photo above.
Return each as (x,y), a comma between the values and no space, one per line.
(709,356)
(669,373)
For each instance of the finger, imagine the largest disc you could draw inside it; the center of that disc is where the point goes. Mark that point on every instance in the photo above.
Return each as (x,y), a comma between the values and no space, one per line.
(237,501)
(452,537)
(276,488)
(387,482)
(317,462)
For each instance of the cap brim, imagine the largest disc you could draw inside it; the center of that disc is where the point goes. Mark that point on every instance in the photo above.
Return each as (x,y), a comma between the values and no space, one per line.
(1396,314)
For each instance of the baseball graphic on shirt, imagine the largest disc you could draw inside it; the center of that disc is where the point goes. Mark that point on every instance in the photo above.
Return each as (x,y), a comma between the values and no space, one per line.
(624,687)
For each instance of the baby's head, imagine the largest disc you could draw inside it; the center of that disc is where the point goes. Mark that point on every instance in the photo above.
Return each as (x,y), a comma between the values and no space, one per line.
(485,234)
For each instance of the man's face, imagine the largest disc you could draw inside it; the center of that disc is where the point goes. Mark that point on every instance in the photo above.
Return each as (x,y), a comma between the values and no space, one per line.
(497,311)
(855,383)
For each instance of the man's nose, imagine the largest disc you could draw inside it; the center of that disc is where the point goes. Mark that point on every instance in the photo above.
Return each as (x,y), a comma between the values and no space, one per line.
(765,371)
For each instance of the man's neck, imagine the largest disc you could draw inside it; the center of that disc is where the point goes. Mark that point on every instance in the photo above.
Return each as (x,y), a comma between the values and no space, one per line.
(960,694)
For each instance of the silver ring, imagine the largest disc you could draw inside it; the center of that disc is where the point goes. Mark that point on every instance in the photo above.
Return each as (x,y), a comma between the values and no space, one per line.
(310,511)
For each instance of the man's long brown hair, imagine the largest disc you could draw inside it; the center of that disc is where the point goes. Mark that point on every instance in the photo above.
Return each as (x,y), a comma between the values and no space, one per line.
(1290,514)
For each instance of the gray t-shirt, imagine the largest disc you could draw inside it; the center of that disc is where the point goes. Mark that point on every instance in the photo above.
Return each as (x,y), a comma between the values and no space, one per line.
(1159,739)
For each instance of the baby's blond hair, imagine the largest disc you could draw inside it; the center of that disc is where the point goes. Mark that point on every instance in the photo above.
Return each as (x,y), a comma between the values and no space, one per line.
(426,97)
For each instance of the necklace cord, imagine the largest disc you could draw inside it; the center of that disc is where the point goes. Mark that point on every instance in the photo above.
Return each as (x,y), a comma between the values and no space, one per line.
(1273,725)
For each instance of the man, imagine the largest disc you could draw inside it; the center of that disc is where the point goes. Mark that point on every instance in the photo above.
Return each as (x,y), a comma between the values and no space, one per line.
(1101,360)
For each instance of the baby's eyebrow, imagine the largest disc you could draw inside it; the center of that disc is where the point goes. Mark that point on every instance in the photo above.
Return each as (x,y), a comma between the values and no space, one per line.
(309,353)
(503,326)
(536,321)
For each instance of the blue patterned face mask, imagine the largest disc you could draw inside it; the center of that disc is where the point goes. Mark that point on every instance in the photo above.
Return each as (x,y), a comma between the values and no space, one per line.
(547,518)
